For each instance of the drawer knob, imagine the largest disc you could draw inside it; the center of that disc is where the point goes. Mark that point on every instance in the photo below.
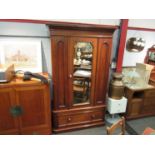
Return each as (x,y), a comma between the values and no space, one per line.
(105,42)
(70,76)
(92,116)
(69,119)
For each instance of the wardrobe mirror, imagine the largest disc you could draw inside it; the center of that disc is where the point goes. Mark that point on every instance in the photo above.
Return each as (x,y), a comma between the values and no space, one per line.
(83,55)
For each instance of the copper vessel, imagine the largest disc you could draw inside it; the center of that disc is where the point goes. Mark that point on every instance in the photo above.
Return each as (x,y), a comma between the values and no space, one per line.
(116,89)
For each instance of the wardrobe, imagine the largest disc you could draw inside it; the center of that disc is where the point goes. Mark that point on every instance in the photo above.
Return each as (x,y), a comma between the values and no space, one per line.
(81,56)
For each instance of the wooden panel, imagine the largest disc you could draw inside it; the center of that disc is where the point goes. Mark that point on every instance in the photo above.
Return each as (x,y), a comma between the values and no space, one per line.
(75,33)
(38,131)
(149,109)
(149,93)
(8,123)
(35,104)
(103,64)
(141,103)
(149,101)
(59,69)
(136,107)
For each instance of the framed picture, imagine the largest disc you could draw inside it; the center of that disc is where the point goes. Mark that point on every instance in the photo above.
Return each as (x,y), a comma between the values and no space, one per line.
(25,55)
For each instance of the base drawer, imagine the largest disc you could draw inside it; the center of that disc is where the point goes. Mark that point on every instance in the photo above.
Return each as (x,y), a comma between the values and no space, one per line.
(72,119)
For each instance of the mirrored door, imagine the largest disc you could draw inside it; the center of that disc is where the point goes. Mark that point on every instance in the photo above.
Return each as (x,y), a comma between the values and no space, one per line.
(84,51)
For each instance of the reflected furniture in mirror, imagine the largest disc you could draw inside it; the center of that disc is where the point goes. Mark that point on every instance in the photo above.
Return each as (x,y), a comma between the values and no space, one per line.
(80,88)
(80,66)
(150,59)
(150,56)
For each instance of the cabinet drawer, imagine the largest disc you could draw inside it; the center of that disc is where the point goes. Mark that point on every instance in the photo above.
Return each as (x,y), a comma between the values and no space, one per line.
(149,101)
(148,109)
(150,93)
(78,118)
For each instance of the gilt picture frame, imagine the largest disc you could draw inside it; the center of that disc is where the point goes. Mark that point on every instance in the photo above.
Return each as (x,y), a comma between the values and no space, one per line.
(25,55)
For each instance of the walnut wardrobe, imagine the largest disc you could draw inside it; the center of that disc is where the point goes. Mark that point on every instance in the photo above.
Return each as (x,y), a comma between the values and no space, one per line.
(80,67)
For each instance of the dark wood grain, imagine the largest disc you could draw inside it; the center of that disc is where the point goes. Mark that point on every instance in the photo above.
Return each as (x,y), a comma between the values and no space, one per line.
(8,124)
(60,71)
(65,115)
(141,103)
(102,73)
(78,118)
(34,99)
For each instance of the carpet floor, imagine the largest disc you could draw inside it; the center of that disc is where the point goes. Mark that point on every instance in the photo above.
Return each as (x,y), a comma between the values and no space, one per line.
(139,125)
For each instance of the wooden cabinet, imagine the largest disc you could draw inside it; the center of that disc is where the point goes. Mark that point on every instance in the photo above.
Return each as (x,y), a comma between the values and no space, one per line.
(80,66)
(25,108)
(141,102)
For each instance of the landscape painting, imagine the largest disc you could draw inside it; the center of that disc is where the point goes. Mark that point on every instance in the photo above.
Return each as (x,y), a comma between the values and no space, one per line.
(25,55)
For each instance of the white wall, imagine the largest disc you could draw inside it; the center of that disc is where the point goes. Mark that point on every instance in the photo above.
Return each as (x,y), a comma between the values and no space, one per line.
(28,32)
(131,58)
(23,29)
(142,23)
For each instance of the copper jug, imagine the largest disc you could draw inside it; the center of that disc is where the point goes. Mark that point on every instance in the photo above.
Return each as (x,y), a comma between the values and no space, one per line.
(116,89)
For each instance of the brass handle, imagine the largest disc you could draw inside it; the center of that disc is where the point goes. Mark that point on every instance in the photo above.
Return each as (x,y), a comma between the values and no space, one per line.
(69,119)
(92,116)
(105,42)
(16,111)
(70,76)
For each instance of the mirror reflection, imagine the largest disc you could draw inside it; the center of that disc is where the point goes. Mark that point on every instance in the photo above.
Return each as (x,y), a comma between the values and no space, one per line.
(83,55)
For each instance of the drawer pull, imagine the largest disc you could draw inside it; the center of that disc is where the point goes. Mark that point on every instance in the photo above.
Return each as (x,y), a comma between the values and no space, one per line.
(69,119)
(99,102)
(92,116)
(70,76)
